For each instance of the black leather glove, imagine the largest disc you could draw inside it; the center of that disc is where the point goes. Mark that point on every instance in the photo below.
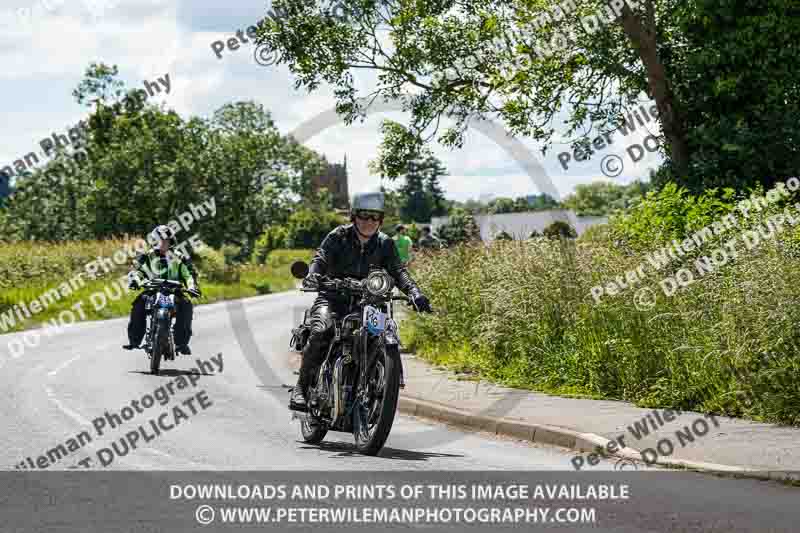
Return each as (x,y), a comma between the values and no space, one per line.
(421,302)
(311,281)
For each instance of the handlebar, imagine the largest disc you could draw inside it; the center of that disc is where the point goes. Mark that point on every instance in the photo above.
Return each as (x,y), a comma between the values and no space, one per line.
(159,283)
(348,285)
(337,285)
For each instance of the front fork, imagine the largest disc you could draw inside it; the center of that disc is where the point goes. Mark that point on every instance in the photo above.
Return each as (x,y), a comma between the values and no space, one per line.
(391,339)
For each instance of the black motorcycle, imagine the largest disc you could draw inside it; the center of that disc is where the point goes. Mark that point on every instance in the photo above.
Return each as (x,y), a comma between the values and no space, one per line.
(357,386)
(160,308)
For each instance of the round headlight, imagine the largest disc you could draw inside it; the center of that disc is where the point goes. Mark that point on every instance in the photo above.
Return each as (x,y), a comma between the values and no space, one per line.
(379,283)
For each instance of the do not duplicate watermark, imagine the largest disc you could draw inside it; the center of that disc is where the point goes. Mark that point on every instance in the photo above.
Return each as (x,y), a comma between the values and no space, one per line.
(146,431)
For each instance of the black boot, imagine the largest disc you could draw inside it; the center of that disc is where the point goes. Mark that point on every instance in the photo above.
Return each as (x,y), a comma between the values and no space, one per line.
(311,361)
(297,401)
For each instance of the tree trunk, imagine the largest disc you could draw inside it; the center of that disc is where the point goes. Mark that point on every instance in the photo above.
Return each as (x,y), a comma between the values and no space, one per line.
(643,36)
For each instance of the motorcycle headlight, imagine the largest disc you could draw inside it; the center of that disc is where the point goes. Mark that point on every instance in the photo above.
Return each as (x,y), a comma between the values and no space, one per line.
(379,283)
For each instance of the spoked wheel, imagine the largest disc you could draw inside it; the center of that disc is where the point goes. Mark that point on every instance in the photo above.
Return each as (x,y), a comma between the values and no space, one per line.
(312,429)
(373,412)
(160,341)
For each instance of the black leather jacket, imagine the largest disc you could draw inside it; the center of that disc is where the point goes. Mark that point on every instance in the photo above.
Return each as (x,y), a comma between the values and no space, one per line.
(341,255)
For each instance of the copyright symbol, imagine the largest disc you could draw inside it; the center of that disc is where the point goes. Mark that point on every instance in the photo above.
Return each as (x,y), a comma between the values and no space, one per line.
(265,56)
(644,299)
(204,515)
(624,463)
(609,169)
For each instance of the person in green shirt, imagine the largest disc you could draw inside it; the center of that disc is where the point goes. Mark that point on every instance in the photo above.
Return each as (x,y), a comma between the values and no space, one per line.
(403,243)
(162,262)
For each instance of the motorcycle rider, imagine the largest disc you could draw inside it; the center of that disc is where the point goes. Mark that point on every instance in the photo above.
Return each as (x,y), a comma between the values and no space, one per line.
(349,250)
(164,263)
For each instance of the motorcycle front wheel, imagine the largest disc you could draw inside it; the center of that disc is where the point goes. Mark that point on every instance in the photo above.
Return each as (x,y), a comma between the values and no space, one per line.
(312,429)
(160,341)
(374,418)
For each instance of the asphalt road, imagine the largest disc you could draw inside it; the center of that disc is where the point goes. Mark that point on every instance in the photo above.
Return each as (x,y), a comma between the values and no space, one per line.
(238,420)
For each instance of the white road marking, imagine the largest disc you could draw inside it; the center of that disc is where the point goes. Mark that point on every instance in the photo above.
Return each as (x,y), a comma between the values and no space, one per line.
(62,366)
(83,421)
(66,410)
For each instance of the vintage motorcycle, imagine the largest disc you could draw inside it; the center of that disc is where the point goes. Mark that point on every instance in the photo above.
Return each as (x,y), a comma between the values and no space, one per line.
(160,308)
(357,386)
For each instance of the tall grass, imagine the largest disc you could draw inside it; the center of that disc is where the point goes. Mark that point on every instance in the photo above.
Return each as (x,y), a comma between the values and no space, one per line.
(28,270)
(521,313)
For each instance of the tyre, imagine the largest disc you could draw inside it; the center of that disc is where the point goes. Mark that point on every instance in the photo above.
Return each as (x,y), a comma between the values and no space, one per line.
(372,423)
(311,428)
(160,341)
(313,431)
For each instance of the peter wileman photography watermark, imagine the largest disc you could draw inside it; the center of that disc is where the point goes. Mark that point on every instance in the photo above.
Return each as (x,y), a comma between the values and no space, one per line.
(76,138)
(612,165)
(749,238)
(263,54)
(640,429)
(147,431)
(115,290)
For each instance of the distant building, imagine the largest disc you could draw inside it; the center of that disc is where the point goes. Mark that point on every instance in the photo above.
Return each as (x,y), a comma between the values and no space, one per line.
(521,225)
(334,178)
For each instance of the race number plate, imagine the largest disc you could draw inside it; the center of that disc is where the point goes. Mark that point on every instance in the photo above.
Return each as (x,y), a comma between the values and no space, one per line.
(375,320)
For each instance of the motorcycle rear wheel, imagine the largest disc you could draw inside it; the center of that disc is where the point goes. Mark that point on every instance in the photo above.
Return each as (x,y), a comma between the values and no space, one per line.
(370,440)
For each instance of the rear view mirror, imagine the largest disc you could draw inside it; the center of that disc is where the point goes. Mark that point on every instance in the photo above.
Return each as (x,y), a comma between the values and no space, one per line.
(299,269)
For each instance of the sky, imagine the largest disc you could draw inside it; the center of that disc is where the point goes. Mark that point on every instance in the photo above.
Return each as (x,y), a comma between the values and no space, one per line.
(46,46)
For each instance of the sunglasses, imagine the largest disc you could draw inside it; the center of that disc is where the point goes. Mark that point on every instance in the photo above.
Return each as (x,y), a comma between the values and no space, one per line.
(369,216)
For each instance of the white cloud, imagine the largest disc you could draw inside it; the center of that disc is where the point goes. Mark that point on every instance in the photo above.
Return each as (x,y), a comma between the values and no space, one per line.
(45,60)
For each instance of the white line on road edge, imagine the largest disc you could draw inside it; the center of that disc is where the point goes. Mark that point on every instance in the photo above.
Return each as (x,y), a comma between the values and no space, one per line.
(94,446)
(62,366)
(66,410)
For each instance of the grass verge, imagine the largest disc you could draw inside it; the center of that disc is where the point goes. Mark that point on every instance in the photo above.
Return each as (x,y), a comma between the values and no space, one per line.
(103,298)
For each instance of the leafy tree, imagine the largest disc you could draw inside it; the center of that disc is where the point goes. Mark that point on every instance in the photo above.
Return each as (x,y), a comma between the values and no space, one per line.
(434,169)
(273,238)
(461,227)
(602,198)
(737,82)
(421,195)
(307,228)
(415,202)
(144,166)
(559,229)
(541,202)
(480,58)
(502,205)
(669,213)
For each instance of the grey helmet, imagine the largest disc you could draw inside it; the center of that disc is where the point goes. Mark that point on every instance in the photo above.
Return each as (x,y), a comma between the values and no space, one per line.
(367,201)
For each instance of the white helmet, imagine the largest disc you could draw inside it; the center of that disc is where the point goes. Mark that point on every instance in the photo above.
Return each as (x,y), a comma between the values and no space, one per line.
(162,233)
